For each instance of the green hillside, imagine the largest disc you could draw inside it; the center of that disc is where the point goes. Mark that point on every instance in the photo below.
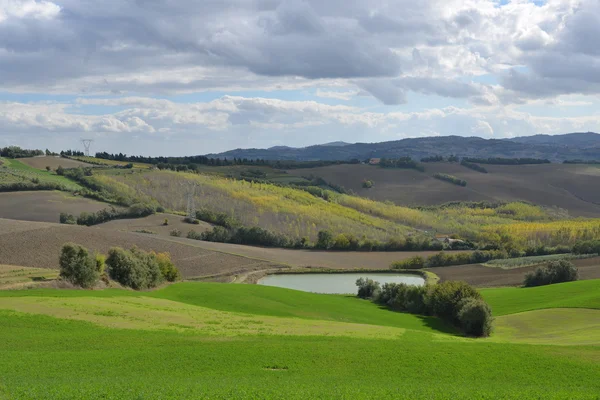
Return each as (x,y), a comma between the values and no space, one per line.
(199,340)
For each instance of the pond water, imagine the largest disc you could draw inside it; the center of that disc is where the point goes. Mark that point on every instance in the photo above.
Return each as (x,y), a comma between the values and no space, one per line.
(335,283)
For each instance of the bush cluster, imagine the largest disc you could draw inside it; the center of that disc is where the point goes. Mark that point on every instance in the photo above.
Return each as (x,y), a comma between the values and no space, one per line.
(367,184)
(455,302)
(402,162)
(133,268)
(108,214)
(78,266)
(554,272)
(450,178)
(473,166)
(587,247)
(31,186)
(217,218)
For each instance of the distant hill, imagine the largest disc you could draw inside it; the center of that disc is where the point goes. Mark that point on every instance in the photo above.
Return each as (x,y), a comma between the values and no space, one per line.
(584,146)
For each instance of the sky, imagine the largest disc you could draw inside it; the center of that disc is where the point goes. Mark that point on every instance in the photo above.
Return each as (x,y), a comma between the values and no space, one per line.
(186,77)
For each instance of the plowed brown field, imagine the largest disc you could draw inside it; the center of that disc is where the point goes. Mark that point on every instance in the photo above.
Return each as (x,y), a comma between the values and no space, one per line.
(44,206)
(482,276)
(575,188)
(52,162)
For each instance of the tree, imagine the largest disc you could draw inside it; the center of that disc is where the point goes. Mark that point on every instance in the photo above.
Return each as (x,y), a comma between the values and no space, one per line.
(445,298)
(554,272)
(77,266)
(367,288)
(133,268)
(324,240)
(168,270)
(475,317)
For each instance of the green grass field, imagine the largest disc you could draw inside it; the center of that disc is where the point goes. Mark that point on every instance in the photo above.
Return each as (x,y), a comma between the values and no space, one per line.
(220,341)
(26,172)
(580,294)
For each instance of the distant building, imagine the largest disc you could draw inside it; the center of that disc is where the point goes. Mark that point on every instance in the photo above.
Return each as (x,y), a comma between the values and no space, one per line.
(374,161)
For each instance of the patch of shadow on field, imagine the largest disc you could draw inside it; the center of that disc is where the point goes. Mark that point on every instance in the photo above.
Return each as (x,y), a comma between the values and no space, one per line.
(432,323)
(481,276)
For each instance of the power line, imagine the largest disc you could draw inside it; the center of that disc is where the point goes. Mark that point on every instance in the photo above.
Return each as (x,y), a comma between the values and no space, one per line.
(86,145)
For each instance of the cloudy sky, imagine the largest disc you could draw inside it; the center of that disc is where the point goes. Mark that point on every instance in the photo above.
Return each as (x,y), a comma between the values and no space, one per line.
(183,77)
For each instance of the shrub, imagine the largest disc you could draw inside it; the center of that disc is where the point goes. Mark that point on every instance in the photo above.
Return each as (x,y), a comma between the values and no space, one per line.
(168,270)
(190,220)
(474,166)
(48,168)
(67,219)
(175,232)
(341,242)
(133,268)
(77,266)
(367,288)
(60,170)
(451,179)
(445,298)
(166,222)
(416,262)
(475,317)
(587,247)
(218,234)
(324,240)
(554,272)
(367,184)
(100,263)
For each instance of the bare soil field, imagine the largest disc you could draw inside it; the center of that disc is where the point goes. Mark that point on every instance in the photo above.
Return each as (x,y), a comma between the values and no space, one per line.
(155,223)
(482,276)
(37,245)
(34,244)
(44,206)
(53,162)
(575,188)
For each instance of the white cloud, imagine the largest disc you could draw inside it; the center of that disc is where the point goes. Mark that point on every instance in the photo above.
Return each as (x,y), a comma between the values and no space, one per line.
(327,94)
(234,121)
(493,55)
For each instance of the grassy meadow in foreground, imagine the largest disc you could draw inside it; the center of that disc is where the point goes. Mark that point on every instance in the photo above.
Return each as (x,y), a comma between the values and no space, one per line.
(219,341)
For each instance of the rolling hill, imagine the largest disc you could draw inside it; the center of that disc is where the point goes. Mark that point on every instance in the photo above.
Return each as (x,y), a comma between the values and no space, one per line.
(585,146)
(575,188)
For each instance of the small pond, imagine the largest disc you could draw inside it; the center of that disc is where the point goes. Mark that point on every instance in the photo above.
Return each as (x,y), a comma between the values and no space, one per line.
(335,283)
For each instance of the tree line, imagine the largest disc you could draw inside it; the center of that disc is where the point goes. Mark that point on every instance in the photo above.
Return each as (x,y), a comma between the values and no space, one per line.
(506,161)
(450,178)
(17,152)
(455,302)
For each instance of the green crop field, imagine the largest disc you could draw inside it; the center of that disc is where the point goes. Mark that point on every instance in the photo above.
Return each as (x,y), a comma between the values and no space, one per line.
(220,341)
(13,171)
